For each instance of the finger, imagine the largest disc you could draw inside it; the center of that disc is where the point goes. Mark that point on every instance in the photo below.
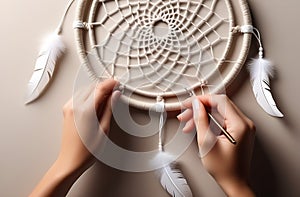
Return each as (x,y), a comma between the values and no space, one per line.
(205,137)
(103,91)
(105,116)
(186,115)
(235,122)
(222,104)
(189,126)
(210,101)
(214,104)
(187,103)
(97,99)
(115,97)
(200,119)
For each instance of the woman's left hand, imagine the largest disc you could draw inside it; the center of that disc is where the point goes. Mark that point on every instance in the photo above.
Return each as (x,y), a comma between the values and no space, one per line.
(87,113)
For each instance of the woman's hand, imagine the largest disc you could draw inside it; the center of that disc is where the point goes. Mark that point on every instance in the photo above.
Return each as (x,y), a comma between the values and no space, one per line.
(229,164)
(88,112)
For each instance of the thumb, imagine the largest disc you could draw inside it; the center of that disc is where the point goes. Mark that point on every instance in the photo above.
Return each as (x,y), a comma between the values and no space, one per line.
(107,113)
(103,90)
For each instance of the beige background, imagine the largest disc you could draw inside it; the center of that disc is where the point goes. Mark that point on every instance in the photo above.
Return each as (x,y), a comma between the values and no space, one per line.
(30,135)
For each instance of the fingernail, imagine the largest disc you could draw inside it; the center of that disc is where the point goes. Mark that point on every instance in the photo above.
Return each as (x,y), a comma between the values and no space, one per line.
(116,95)
(179,117)
(195,105)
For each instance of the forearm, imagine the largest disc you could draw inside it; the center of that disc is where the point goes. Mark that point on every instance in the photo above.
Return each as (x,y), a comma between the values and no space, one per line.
(58,180)
(236,188)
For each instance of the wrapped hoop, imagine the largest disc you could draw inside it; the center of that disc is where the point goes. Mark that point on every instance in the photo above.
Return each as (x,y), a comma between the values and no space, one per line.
(136,19)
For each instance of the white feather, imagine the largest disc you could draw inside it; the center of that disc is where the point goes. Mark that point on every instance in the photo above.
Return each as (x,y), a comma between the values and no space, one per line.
(260,70)
(171,178)
(51,50)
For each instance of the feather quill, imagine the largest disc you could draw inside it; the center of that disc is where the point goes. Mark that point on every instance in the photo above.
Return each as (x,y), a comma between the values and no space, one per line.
(174,182)
(171,178)
(52,49)
(50,52)
(260,71)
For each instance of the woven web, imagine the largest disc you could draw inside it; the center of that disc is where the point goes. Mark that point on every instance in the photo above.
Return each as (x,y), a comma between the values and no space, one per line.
(156,46)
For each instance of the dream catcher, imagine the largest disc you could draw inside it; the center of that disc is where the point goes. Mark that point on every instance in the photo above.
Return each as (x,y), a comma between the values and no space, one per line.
(163,52)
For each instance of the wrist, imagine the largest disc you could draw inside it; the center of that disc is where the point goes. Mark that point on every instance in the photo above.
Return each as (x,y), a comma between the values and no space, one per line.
(60,171)
(51,182)
(66,170)
(236,187)
(59,179)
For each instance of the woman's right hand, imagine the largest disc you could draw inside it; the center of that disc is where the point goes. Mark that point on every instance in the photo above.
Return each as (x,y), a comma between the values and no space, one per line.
(229,164)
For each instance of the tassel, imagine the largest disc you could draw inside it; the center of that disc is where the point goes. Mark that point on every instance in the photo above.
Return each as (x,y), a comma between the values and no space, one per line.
(261,70)
(51,51)
(171,178)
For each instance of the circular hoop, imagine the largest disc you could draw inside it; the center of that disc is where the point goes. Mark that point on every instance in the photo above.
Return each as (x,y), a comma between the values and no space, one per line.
(227,67)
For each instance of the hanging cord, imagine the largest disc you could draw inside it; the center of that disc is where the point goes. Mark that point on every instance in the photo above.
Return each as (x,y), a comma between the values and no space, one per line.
(258,38)
(160,107)
(59,27)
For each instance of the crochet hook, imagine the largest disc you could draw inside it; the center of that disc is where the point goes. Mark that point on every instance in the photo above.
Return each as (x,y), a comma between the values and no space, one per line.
(227,135)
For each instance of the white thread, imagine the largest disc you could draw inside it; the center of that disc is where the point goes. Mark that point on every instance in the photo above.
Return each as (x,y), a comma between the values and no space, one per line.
(160,107)
(82,25)
(78,24)
(256,34)
(59,27)
(160,62)
(246,29)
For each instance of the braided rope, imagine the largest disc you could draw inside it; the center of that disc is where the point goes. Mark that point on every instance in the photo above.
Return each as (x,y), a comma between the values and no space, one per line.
(198,37)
